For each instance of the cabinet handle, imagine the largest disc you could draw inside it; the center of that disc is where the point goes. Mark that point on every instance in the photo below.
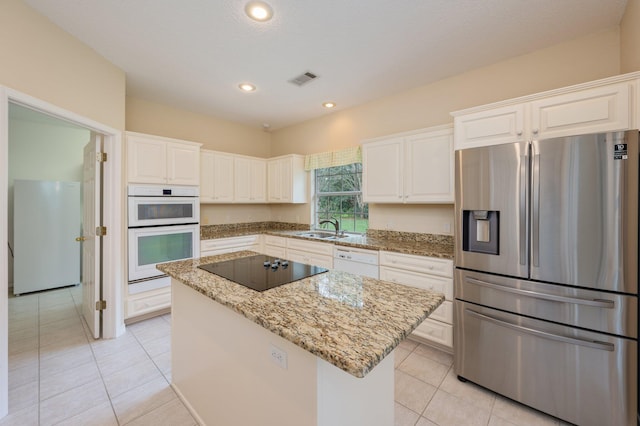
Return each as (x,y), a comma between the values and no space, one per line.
(535,131)
(519,133)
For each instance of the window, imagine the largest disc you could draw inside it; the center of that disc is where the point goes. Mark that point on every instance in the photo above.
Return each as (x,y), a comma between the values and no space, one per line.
(338,193)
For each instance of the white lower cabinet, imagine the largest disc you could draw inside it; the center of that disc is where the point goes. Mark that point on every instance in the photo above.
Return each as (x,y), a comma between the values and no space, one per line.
(432,274)
(228,245)
(147,302)
(275,246)
(309,252)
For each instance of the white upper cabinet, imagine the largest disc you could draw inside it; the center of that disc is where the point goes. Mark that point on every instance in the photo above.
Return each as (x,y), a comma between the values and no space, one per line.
(492,127)
(286,179)
(600,106)
(382,173)
(216,177)
(428,176)
(153,159)
(250,180)
(416,167)
(588,111)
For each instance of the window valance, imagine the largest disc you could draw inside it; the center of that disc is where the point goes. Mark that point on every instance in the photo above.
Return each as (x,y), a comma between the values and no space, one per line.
(343,157)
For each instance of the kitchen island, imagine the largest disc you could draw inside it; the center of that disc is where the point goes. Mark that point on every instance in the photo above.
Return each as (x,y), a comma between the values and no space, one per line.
(300,354)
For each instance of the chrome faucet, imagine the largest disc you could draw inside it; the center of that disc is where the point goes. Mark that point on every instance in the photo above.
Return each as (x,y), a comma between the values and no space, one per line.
(334,222)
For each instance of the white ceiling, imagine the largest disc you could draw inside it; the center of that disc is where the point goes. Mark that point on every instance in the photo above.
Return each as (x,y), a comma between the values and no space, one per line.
(192,54)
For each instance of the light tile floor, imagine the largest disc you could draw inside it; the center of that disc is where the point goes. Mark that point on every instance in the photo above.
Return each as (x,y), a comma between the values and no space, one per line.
(59,375)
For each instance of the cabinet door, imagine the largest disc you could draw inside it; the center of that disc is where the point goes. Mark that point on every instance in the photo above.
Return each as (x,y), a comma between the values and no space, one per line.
(492,127)
(308,258)
(428,168)
(183,164)
(274,181)
(286,180)
(223,178)
(382,171)
(596,110)
(242,181)
(206,176)
(146,160)
(258,181)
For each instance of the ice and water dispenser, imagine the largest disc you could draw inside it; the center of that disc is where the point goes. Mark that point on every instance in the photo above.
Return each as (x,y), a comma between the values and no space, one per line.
(480,231)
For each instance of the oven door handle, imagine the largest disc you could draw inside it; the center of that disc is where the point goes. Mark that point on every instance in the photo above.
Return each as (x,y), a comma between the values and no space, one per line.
(598,303)
(604,346)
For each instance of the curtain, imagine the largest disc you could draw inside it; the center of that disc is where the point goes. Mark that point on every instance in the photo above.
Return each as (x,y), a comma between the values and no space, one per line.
(333,158)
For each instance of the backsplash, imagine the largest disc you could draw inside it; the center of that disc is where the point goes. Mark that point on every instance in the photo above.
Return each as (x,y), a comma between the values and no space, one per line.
(219,231)
(411,236)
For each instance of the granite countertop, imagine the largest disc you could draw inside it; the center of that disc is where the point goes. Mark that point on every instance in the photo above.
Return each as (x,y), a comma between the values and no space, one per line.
(431,245)
(419,248)
(353,322)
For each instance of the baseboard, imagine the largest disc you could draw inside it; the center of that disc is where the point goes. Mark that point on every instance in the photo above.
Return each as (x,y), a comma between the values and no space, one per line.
(143,317)
(191,410)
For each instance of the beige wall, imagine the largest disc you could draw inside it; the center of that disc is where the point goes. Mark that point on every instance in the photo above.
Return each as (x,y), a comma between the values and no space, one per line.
(215,214)
(162,120)
(575,61)
(588,58)
(630,38)
(42,60)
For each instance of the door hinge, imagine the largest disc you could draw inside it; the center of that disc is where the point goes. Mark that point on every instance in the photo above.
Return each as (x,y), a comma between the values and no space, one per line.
(101,157)
(101,305)
(101,231)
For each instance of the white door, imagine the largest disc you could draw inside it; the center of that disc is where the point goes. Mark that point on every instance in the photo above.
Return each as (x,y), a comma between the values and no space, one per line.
(91,245)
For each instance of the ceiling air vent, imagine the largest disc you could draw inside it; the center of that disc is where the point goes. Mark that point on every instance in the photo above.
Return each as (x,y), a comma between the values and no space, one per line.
(303,79)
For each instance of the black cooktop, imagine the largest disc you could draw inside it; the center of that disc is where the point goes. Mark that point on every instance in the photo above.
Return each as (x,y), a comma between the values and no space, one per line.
(262,272)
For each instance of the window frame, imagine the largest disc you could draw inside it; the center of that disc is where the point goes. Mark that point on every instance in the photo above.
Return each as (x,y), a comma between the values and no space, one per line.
(363,214)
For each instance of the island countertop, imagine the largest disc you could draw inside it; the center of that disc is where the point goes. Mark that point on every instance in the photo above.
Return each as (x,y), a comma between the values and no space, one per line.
(350,321)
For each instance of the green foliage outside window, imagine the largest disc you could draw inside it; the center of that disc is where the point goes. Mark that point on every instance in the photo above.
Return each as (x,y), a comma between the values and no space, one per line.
(339,195)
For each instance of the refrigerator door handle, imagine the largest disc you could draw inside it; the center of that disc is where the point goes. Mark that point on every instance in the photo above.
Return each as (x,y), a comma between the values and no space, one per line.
(524,160)
(535,219)
(598,303)
(605,346)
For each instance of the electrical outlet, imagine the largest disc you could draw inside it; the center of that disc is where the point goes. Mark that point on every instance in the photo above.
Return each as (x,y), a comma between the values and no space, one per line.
(278,356)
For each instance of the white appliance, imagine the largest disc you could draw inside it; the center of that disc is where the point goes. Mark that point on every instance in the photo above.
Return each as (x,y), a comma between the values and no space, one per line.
(163,227)
(46,222)
(356,261)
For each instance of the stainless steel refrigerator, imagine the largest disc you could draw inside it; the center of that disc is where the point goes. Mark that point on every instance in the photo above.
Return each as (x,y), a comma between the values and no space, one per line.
(546,281)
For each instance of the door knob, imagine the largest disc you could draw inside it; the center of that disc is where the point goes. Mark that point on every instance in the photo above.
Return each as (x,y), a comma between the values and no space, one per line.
(80,239)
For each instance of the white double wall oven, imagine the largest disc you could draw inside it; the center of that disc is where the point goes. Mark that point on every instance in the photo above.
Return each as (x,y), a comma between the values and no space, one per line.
(164,226)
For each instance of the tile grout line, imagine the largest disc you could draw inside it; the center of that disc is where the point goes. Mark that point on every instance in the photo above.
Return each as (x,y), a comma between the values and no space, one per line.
(95,360)
(154,364)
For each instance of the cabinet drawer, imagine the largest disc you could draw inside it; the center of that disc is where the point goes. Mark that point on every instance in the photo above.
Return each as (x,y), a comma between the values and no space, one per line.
(436,332)
(143,304)
(225,243)
(427,282)
(444,313)
(310,258)
(272,240)
(275,251)
(426,265)
(310,246)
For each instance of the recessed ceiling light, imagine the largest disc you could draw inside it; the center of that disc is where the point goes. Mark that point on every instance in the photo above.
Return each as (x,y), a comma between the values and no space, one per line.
(329,104)
(258,10)
(247,87)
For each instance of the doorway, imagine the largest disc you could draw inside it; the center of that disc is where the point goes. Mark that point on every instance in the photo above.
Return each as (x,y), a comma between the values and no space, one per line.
(45,175)
(112,242)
